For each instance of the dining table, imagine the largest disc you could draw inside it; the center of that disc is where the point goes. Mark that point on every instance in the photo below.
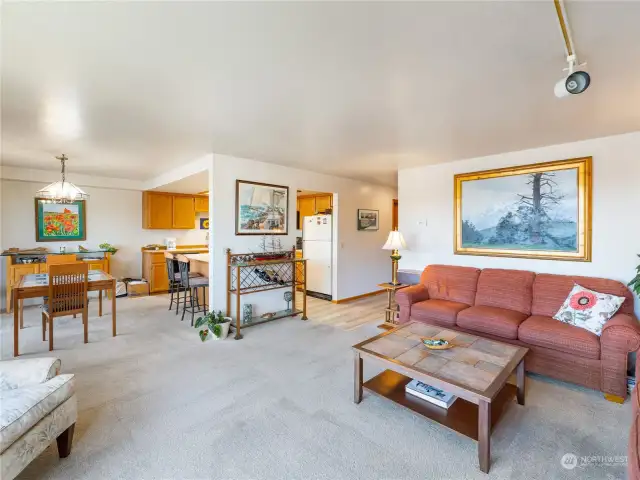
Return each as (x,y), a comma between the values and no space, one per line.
(37,285)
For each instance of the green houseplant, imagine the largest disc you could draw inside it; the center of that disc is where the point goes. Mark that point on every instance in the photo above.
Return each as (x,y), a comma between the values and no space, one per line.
(635,283)
(216,325)
(107,247)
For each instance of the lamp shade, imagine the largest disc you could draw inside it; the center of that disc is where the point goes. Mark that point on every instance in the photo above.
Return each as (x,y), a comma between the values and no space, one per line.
(395,241)
(62,192)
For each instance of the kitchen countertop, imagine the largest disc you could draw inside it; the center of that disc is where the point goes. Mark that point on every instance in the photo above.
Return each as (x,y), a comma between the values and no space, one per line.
(177,250)
(198,257)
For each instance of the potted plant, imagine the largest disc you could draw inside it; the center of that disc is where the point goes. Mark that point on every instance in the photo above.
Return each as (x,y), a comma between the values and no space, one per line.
(107,247)
(635,283)
(215,326)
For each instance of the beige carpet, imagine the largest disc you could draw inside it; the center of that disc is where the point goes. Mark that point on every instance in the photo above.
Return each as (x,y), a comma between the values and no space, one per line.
(156,403)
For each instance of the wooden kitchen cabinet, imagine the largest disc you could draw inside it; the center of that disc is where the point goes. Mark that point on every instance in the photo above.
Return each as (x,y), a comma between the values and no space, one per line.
(307,207)
(154,266)
(157,210)
(159,278)
(184,212)
(323,202)
(202,203)
(154,270)
(166,211)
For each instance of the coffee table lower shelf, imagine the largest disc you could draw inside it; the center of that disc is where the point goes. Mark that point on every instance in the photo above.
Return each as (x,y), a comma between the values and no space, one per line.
(462,416)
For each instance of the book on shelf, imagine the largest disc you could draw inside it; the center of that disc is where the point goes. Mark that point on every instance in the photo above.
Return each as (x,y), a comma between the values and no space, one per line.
(430,394)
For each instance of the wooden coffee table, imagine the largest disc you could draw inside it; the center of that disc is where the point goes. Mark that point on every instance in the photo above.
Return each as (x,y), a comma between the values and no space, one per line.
(476,370)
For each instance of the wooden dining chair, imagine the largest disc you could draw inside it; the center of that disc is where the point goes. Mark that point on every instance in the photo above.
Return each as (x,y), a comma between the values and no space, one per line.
(51,260)
(56,259)
(61,259)
(68,286)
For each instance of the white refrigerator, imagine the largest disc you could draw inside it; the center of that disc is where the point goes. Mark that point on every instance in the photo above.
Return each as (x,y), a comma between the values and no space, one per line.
(317,239)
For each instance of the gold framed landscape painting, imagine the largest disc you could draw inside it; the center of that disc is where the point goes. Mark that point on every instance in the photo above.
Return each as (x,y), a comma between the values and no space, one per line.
(538,211)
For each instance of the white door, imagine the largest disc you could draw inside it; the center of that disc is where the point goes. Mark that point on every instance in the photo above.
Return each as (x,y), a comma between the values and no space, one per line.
(318,255)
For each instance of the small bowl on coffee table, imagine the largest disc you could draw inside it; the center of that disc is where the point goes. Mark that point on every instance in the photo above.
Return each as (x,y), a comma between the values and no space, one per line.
(434,343)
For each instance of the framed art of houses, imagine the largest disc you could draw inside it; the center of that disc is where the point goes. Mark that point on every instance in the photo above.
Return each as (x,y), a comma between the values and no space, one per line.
(58,222)
(261,208)
(368,220)
(540,211)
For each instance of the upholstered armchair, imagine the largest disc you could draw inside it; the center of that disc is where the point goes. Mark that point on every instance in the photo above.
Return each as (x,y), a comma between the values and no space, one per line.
(37,406)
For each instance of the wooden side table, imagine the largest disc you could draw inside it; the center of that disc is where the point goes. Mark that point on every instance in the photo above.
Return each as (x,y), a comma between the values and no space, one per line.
(391,311)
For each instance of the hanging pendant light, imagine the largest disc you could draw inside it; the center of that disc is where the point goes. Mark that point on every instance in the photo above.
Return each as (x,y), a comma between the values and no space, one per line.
(61,192)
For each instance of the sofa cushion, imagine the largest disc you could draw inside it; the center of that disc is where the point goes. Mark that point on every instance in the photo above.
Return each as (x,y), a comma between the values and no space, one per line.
(510,289)
(550,292)
(588,309)
(445,282)
(493,320)
(549,333)
(440,312)
(22,408)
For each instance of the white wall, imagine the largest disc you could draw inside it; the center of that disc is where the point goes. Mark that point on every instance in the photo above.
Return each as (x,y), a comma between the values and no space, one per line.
(113,216)
(361,263)
(3,270)
(425,194)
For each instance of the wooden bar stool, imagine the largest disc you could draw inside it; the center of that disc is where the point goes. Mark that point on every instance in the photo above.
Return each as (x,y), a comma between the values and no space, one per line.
(68,286)
(191,284)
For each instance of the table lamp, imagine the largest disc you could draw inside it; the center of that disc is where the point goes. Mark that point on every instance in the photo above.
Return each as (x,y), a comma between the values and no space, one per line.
(395,242)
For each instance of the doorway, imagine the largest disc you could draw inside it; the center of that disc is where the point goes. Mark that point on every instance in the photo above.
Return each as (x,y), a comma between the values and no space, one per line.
(394,215)
(315,240)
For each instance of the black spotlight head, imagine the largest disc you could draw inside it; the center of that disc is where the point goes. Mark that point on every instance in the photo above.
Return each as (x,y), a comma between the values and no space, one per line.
(578,82)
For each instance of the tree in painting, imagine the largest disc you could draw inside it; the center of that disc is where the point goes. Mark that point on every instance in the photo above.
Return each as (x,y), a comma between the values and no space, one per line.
(534,207)
(470,233)
(536,211)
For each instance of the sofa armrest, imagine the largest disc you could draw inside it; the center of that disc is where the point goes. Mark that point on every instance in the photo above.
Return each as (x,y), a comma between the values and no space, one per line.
(621,334)
(33,371)
(406,297)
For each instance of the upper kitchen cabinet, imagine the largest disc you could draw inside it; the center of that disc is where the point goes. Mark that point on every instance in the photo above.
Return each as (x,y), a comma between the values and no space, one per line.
(202,203)
(157,210)
(306,207)
(184,212)
(168,211)
(323,203)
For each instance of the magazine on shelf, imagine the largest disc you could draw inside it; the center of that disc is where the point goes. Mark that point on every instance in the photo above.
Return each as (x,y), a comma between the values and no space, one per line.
(430,394)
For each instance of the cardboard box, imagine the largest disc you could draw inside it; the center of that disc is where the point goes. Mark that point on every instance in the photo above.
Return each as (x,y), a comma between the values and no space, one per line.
(138,288)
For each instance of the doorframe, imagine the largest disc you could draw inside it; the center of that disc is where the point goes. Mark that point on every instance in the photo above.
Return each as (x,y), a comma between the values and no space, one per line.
(394,214)
(334,238)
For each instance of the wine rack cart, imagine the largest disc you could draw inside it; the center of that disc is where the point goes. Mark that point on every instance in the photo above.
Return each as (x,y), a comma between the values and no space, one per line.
(251,273)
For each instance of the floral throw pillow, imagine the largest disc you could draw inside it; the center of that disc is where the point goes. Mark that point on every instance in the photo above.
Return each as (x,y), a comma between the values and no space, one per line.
(587,309)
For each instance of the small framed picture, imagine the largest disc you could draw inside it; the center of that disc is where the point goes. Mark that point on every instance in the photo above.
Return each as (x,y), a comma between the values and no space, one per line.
(368,219)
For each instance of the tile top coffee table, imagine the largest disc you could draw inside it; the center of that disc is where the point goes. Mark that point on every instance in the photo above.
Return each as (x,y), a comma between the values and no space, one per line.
(476,370)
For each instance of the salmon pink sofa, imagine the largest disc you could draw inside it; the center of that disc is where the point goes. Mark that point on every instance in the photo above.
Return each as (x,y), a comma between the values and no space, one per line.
(633,460)
(517,307)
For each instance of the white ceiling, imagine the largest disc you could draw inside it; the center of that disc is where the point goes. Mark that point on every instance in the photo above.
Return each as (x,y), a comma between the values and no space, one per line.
(128,89)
